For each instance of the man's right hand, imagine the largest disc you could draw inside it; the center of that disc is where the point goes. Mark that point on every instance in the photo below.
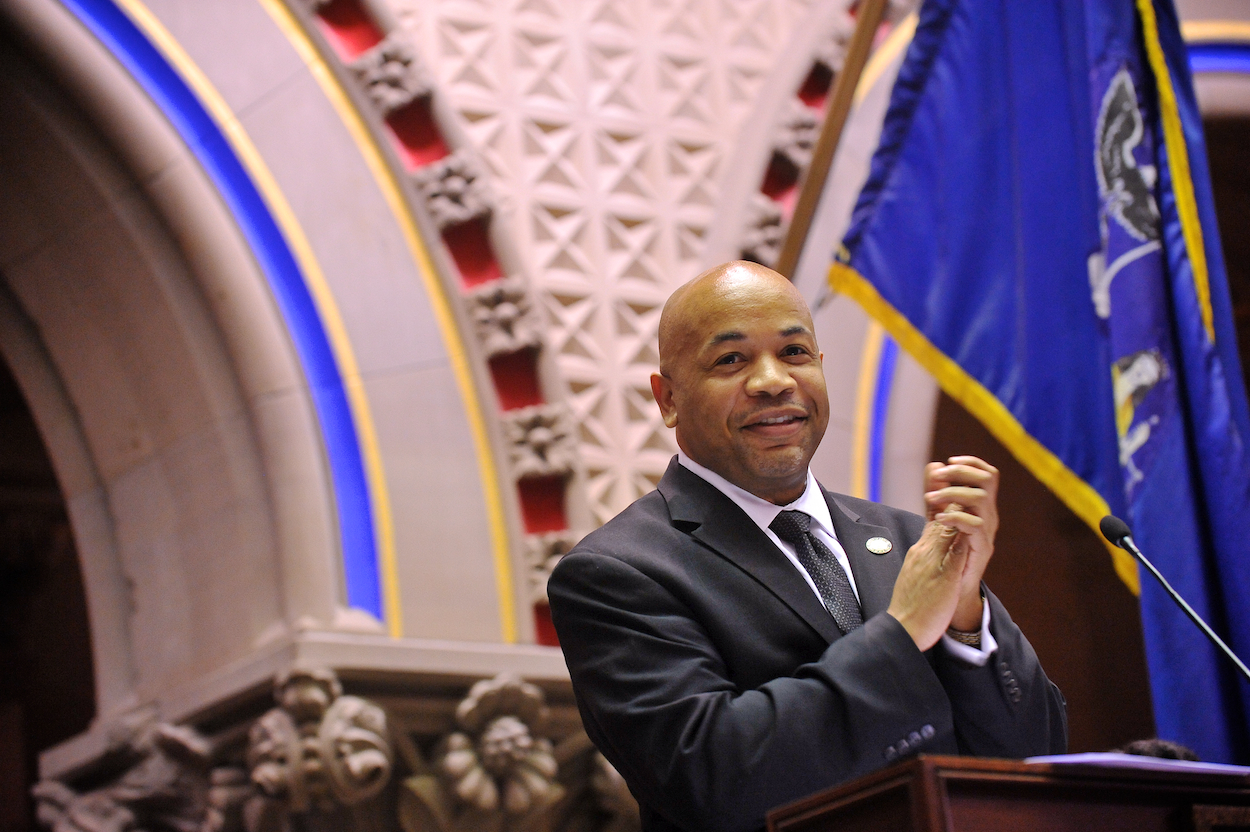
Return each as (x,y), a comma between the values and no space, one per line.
(927,590)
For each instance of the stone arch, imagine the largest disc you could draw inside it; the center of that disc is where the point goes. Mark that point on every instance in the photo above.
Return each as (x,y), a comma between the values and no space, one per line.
(160,374)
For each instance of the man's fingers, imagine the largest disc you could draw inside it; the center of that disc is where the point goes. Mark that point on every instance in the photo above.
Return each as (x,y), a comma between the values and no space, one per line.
(946,540)
(938,536)
(953,549)
(927,590)
(957,555)
(965,509)
(963,475)
(967,496)
(972,462)
(944,546)
(960,521)
(961,470)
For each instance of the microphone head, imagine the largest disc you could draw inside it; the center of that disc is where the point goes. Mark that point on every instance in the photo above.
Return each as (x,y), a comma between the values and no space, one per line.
(1114,529)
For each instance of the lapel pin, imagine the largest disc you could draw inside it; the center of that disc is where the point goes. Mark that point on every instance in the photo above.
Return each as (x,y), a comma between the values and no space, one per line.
(879,545)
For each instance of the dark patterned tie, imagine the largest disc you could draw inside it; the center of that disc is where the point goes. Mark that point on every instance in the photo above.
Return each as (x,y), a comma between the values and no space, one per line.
(823,566)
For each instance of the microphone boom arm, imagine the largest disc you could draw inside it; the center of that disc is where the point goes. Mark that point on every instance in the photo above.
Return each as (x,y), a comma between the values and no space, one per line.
(1117,533)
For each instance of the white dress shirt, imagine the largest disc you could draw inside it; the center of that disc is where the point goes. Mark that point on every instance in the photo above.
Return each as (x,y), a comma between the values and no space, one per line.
(812,503)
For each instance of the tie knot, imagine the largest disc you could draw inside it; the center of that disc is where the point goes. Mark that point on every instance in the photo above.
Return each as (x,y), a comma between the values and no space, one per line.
(791,526)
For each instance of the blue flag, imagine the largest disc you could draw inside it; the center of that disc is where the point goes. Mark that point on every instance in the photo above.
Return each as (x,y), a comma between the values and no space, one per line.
(1037,229)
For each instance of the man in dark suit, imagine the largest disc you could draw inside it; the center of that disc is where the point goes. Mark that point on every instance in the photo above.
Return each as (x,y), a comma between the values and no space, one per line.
(740,638)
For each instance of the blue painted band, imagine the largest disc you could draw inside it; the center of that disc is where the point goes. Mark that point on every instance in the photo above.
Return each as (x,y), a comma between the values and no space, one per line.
(1219,57)
(880,415)
(203,136)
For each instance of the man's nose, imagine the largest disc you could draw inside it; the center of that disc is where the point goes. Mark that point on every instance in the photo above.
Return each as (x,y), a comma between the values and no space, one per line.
(769,376)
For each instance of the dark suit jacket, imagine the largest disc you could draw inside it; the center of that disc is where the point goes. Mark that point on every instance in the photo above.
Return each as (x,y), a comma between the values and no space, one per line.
(710,675)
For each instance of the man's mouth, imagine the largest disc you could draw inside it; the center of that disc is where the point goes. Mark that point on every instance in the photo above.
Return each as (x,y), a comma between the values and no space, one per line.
(777,424)
(777,420)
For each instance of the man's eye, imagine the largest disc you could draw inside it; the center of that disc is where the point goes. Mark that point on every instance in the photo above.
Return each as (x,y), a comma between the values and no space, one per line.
(732,358)
(795,349)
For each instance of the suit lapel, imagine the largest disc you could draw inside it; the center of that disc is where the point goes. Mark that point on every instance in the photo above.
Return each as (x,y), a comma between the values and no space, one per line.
(874,574)
(702,511)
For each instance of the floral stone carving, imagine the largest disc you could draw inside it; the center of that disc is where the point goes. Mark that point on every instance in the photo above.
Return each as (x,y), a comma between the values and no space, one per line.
(319,749)
(503,317)
(454,190)
(540,440)
(496,773)
(542,553)
(392,74)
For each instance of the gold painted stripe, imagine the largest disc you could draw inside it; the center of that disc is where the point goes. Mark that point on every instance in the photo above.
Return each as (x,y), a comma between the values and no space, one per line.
(865,393)
(874,338)
(894,44)
(392,191)
(1178,162)
(1079,496)
(327,308)
(1216,31)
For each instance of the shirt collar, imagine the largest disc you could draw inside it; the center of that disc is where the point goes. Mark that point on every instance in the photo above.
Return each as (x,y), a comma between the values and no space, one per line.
(810,502)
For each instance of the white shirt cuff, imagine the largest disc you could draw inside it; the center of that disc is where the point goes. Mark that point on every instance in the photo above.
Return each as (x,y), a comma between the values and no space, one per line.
(974,655)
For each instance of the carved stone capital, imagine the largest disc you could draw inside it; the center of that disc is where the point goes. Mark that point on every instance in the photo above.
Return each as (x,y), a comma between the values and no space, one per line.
(540,440)
(454,190)
(503,317)
(319,749)
(392,73)
(764,235)
(165,785)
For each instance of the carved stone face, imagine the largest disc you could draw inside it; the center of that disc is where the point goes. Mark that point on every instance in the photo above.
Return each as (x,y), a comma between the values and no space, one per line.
(505,743)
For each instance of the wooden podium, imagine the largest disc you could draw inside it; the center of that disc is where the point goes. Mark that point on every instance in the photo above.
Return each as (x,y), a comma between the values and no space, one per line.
(961,794)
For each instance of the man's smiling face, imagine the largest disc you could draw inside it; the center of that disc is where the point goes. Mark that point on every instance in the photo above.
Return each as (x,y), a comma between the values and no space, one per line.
(741,379)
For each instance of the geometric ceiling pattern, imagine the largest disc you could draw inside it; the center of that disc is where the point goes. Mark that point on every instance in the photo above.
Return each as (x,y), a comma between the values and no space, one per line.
(605,125)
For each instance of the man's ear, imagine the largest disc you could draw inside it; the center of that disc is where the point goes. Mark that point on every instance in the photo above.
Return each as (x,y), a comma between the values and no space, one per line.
(662,389)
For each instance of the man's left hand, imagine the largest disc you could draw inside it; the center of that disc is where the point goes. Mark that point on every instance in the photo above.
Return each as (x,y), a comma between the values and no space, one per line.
(963,494)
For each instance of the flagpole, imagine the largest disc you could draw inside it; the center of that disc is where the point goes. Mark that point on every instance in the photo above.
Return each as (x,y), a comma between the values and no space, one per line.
(870,13)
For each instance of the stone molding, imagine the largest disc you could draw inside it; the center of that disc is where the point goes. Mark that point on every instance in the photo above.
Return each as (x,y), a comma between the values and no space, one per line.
(449,191)
(495,756)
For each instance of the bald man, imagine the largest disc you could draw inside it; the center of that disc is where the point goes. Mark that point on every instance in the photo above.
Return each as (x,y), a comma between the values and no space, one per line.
(740,637)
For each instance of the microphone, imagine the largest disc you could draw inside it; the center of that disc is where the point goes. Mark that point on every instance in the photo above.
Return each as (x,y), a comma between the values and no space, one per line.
(1117,534)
